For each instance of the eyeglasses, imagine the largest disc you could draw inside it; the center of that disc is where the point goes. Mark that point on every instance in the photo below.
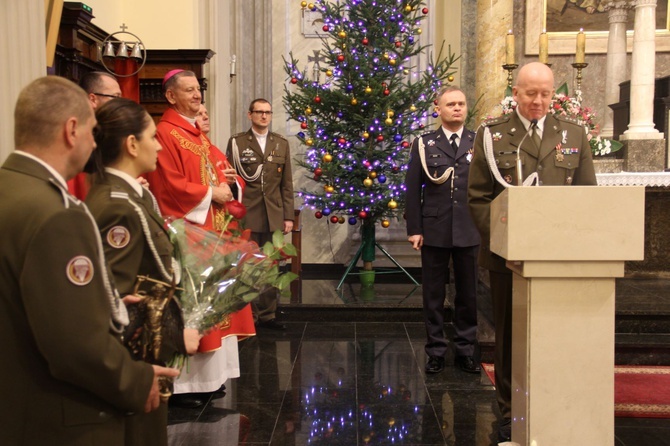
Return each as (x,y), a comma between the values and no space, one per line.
(261,112)
(113,96)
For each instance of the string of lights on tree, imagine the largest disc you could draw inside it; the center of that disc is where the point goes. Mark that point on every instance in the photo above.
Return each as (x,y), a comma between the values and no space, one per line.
(358,123)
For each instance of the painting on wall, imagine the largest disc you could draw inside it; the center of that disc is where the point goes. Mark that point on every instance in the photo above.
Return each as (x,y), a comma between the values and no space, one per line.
(591,15)
(562,19)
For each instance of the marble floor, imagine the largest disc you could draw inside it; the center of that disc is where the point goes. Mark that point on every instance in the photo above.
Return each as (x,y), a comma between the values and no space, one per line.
(351,382)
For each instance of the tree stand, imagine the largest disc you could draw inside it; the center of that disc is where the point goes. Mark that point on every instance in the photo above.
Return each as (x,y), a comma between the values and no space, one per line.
(367,251)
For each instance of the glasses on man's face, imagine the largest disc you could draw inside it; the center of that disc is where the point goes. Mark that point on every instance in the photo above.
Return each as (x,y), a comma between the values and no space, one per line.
(261,112)
(105,95)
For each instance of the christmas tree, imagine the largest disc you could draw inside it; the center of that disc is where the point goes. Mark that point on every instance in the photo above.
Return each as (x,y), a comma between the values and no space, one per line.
(358,123)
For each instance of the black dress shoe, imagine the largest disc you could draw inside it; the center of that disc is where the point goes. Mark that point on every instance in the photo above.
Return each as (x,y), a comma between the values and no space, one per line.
(186,400)
(271,324)
(505,430)
(467,364)
(435,364)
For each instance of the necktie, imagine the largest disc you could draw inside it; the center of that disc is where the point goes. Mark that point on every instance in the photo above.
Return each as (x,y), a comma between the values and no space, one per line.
(535,137)
(453,142)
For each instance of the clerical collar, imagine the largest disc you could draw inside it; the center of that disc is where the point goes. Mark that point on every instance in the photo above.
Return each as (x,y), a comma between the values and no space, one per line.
(137,187)
(526,122)
(47,166)
(259,135)
(448,133)
(190,120)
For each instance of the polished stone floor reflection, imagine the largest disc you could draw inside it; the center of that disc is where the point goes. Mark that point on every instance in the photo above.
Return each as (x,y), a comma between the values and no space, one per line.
(348,382)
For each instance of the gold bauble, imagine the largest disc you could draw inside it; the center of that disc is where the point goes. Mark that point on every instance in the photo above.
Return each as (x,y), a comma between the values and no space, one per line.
(308,111)
(393,204)
(303,4)
(368,89)
(341,34)
(392,62)
(390,113)
(412,108)
(327,158)
(310,6)
(391,421)
(386,55)
(309,142)
(344,46)
(408,8)
(366,135)
(341,220)
(354,101)
(330,189)
(405,71)
(329,73)
(450,78)
(367,182)
(373,174)
(388,121)
(386,223)
(419,30)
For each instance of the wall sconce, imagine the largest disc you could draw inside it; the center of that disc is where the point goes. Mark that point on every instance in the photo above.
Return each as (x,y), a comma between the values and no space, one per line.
(137,52)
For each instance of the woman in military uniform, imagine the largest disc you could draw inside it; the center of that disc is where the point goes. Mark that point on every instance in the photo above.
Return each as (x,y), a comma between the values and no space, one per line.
(138,248)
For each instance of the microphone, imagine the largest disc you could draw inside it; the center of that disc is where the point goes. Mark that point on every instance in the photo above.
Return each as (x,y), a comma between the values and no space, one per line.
(519,172)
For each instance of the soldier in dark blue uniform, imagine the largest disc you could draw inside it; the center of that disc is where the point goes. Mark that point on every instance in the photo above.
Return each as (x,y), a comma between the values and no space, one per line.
(439,224)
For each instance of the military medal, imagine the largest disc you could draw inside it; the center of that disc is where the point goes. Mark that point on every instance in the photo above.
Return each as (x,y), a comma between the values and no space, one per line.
(79,270)
(270,158)
(568,181)
(431,142)
(497,136)
(559,154)
(565,136)
(508,178)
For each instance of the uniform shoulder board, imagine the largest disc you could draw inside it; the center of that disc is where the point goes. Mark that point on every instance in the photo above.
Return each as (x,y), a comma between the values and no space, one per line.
(278,135)
(237,135)
(495,121)
(570,119)
(119,194)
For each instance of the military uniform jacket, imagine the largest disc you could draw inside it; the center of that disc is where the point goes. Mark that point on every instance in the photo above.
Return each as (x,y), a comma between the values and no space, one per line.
(136,243)
(66,378)
(436,211)
(269,198)
(564,158)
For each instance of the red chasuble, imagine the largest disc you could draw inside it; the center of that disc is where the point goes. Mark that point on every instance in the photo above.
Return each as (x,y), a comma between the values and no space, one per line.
(187,166)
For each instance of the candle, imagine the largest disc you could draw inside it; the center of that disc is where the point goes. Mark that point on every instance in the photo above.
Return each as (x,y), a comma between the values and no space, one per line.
(581,46)
(509,48)
(233,63)
(544,47)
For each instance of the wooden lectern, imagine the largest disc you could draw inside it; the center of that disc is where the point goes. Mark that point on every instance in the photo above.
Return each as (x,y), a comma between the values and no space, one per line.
(565,246)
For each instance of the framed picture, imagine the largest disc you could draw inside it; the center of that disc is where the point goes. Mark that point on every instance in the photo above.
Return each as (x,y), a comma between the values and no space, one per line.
(562,20)
(312,23)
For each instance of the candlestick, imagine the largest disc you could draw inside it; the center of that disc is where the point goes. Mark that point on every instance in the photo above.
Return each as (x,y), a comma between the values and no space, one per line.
(544,47)
(510,69)
(579,67)
(581,47)
(509,48)
(233,67)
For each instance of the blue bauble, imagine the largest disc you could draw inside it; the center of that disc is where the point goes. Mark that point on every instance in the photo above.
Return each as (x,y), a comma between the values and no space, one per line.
(352,220)
(381,179)
(340,115)
(397,138)
(410,39)
(326,211)
(301,134)
(435,115)
(350,87)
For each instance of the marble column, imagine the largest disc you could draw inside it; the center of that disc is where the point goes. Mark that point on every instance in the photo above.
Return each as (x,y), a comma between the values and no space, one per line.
(616,61)
(494,19)
(23,53)
(641,125)
(645,149)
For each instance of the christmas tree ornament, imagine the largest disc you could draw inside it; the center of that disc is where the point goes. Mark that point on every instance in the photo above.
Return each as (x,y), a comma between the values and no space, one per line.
(341,220)
(365,41)
(392,62)
(386,56)
(330,189)
(405,144)
(386,223)
(326,211)
(382,179)
(341,141)
(308,111)
(362,215)
(388,121)
(390,113)
(435,114)
(380,138)
(318,171)
(365,163)
(367,182)
(354,101)
(352,220)
(309,141)
(303,125)
(410,39)
(373,174)
(412,108)
(408,8)
(325,28)
(398,44)
(329,73)
(392,204)
(318,214)
(395,169)
(341,34)
(368,90)
(397,138)
(405,71)
(334,219)
(294,80)
(340,57)
(419,30)
(349,88)
(366,135)
(327,157)
(303,4)
(425,10)
(450,78)
(310,6)
(317,99)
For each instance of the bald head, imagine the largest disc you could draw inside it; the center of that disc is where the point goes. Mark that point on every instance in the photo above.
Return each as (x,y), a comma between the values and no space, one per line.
(533,90)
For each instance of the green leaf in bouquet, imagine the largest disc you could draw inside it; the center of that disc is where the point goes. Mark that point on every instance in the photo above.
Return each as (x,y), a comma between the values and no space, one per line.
(290,250)
(285,280)
(278,239)
(268,249)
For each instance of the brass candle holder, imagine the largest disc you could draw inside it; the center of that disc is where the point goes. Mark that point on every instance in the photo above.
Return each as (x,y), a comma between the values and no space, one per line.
(579,67)
(510,69)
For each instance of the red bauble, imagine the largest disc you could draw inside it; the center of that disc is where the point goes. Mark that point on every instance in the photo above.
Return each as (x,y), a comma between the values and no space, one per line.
(398,44)
(294,80)
(380,138)
(425,10)
(405,144)
(365,41)
(318,171)
(421,126)
(362,215)
(325,28)
(318,214)
(435,102)
(340,58)
(395,168)
(334,219)
(317,100)
(387,92)
(366,163)
(303,125)
(341,141)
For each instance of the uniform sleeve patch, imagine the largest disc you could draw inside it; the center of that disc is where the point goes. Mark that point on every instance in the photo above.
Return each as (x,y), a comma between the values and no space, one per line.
(79,270)
(118,237)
